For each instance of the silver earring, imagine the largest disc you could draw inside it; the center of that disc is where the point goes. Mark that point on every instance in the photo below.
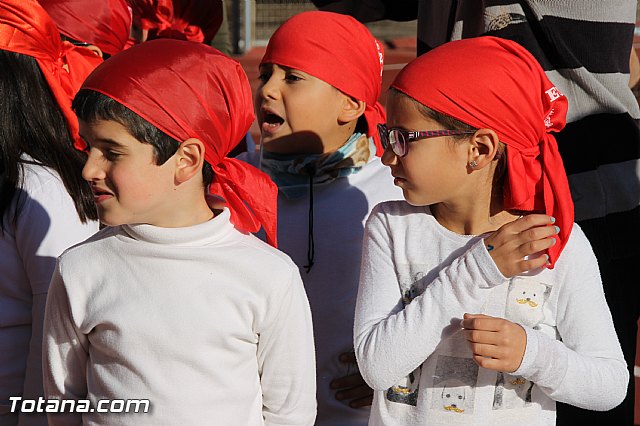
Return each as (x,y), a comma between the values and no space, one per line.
(473,164)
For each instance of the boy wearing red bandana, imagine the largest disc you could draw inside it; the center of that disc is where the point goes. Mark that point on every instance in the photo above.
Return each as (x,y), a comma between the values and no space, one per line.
(320,79)
(480,300)
(174,301)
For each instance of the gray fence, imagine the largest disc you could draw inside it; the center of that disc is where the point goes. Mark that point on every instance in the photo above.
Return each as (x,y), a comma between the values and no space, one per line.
(253,21)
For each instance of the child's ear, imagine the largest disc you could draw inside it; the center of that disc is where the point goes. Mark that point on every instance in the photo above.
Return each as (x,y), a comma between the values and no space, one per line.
(351,109)
(483,147)
(189,159)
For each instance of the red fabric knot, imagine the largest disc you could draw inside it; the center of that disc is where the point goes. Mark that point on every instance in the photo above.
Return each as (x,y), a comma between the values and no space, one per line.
(103,23)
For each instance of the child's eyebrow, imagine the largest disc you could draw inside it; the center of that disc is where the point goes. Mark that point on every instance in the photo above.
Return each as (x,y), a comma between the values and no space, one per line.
(108,141)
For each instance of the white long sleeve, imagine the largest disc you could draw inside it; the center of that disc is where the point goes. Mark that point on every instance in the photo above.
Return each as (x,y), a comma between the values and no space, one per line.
(209,324)
(391,340)
(586,368)
(417,281)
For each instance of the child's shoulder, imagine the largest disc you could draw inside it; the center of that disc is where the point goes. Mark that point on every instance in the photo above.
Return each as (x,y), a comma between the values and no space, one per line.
(260,251)
(578,246)
(97,243)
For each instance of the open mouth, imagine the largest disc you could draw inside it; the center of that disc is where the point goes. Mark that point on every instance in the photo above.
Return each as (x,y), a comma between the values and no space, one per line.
(270,121)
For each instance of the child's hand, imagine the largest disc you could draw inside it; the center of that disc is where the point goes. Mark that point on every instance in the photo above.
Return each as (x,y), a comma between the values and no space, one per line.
(497,344)
(527,236)
(352,387)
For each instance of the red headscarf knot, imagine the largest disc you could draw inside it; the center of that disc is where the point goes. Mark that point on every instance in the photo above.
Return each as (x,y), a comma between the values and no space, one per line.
(494,83)
(104,23)
(190,90)
(192,20)
(338,50)
(27,29)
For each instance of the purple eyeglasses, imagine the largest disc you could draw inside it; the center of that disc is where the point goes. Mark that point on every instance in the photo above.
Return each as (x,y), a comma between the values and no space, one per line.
(399,139)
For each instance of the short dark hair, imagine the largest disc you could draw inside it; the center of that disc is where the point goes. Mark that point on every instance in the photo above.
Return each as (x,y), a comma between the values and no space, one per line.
(91,106)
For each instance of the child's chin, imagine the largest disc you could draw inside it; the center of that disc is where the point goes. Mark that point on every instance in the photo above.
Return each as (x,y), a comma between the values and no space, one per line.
(414,201)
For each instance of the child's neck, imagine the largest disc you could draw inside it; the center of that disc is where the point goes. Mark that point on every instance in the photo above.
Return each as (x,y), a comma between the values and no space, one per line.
(471,220)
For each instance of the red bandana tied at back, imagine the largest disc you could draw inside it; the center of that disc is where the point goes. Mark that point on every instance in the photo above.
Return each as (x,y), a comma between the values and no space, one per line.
(190,90)
(192,20)
(494,83)
(104,23)
(27,29)
(338,50)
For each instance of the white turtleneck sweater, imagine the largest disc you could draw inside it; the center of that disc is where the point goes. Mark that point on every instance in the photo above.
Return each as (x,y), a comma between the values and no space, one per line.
(209,324)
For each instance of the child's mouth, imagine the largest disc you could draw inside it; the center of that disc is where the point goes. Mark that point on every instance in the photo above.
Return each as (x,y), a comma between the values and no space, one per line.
(100,195)
(271,122)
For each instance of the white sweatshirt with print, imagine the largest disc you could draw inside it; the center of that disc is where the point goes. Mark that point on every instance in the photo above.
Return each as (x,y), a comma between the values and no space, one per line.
(417,281)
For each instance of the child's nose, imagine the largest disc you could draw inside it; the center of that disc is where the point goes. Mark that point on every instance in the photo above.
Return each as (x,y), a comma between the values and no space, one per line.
(389,158)
(270,89)
(92,170)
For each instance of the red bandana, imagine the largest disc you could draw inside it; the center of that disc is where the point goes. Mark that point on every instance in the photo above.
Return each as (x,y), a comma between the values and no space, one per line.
(27,29)
(192,20)
(338,50)
(190,90)
(104,23)
(494,83)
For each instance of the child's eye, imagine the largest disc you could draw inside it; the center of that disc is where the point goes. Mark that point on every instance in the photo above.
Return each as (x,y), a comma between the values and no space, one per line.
(264,77)
(111,155)
(292,78)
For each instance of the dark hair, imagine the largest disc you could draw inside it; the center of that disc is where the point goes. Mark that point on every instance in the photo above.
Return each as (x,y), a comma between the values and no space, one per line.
(91,106)
(451,123)
(32,123)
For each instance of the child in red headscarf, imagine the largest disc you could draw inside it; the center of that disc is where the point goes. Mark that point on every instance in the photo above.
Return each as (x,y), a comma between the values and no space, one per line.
(472,307)
(320,79)
(175,301)
(45,205)
(102,25)
(91,32)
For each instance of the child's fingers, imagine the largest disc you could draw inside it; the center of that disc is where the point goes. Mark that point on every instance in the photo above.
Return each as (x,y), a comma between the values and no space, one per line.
(354,393)
(350,381)
(528,222)
(488,363)
(481,322)
(531,247)
(362,402)
(486,350)
(513,235)
(533,262)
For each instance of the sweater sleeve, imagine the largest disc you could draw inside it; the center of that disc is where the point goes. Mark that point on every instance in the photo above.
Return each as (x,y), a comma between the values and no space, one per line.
(65,353)
(391,340)
(286,358)
(586,368)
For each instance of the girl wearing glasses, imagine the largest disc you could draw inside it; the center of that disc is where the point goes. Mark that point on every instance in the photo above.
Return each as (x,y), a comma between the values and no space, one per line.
(480,301)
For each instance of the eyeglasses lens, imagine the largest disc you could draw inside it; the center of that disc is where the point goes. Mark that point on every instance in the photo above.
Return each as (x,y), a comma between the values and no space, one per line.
(396,139)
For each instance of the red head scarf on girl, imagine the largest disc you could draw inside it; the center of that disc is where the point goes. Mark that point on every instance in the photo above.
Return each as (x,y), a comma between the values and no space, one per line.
(192,20)
(338,50)
(190,90)
(493,83)
(104,23)
(27,29)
